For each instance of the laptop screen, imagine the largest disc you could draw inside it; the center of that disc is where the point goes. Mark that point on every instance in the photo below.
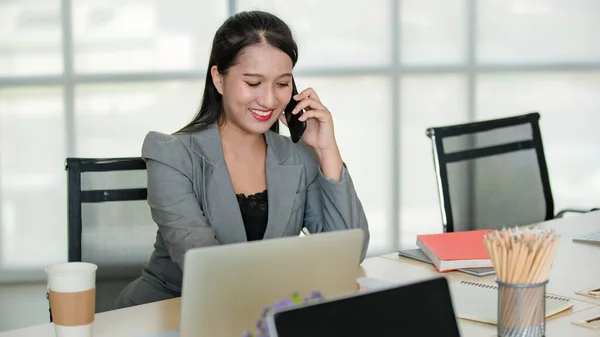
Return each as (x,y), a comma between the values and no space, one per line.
(419,309)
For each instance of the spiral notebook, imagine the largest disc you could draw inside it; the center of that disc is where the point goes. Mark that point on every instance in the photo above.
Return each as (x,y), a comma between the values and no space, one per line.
(479,302)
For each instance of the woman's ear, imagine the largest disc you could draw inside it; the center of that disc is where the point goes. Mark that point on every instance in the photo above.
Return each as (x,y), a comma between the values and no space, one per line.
(217,79)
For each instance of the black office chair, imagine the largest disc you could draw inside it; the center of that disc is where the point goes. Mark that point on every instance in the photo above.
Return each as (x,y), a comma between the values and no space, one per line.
(492,174)
(109,221)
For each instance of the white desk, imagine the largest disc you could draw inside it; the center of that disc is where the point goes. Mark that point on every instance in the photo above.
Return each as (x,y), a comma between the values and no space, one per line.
(576,265)
(400,272)
(573,270)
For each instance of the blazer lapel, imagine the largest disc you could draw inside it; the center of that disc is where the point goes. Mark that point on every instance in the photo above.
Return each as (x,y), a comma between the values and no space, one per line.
(223,208)
(220,203)
(282,184)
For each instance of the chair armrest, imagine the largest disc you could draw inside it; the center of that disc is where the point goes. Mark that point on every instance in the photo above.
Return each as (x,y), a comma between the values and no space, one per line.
(573,210)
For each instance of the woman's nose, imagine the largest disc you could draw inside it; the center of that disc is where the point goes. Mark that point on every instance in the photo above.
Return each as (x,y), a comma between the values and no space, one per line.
(267,98)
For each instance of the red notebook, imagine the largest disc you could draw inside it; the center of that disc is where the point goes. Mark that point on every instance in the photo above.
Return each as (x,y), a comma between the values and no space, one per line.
(456,250)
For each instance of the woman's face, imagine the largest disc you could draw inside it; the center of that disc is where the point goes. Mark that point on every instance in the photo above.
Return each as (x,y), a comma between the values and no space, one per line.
(257,89)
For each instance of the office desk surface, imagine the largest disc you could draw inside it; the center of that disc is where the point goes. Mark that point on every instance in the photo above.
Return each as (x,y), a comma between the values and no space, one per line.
(576,265)
(388,270)
(573,270)
(164,315)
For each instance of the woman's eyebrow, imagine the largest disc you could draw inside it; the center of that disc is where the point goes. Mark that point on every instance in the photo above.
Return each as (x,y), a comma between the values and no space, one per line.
(262,76)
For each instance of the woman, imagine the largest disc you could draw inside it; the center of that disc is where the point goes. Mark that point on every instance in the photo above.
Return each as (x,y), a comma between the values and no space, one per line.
(227,177)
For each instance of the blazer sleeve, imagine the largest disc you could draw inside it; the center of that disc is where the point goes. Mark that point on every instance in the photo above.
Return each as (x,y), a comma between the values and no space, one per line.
(333,205)
(171,196)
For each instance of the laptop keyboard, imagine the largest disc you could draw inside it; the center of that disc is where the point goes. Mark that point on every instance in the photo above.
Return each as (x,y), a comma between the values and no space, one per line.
(591,237)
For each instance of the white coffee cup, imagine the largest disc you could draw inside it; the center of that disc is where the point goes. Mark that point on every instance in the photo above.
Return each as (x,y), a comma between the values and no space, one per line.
(72,294)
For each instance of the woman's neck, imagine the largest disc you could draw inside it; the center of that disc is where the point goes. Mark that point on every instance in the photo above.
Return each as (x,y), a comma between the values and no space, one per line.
(239,141)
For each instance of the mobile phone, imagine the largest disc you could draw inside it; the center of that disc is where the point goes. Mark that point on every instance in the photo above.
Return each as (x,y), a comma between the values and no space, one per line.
(296,127)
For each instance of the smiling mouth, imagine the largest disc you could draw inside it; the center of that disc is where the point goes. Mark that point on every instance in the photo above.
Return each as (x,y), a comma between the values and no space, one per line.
(262,115)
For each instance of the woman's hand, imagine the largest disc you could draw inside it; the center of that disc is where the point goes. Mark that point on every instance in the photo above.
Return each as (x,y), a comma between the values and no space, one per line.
(319,132)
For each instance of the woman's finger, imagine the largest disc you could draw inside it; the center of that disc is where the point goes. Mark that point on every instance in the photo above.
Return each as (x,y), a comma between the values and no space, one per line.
(321,115)
(308,104)
(308,93)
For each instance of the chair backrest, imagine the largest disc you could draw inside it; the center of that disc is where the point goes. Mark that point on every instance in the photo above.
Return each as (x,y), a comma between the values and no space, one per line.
(491,174)
(109,221)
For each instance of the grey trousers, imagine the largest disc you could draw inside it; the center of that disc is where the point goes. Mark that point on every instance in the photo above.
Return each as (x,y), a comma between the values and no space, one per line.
(142,291)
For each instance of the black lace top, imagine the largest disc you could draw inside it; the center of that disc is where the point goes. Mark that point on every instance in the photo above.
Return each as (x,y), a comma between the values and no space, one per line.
(255,213)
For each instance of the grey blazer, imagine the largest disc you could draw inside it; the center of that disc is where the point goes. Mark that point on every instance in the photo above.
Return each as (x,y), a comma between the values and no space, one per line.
(192,200)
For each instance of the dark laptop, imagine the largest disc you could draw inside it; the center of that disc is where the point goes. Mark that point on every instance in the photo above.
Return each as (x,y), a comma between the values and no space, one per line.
(418,309)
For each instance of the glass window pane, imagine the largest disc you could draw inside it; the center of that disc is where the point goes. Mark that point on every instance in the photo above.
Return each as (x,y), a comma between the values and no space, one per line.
(334,33)
(140,35)
(30,38)
(526,31)
(433,32)
(427,101)
(363,137)
(113,119)
(32,178)
(568,104)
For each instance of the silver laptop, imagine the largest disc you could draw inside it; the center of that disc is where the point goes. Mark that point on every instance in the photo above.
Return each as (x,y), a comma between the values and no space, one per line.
(225,288)
(593,238)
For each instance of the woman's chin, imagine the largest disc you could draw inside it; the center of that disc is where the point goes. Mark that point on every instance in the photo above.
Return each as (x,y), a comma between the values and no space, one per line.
(258,128)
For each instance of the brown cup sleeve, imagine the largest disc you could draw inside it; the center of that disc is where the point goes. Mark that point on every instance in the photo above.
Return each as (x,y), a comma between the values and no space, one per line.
(73,309)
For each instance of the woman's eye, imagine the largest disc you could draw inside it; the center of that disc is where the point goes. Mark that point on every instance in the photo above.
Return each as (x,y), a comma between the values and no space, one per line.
(283,84)
(253,84)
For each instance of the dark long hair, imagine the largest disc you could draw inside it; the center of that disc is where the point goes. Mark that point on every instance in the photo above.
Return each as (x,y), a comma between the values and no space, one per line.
(239,31)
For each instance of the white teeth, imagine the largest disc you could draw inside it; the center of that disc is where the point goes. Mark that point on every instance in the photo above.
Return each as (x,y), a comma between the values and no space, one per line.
(261,113)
